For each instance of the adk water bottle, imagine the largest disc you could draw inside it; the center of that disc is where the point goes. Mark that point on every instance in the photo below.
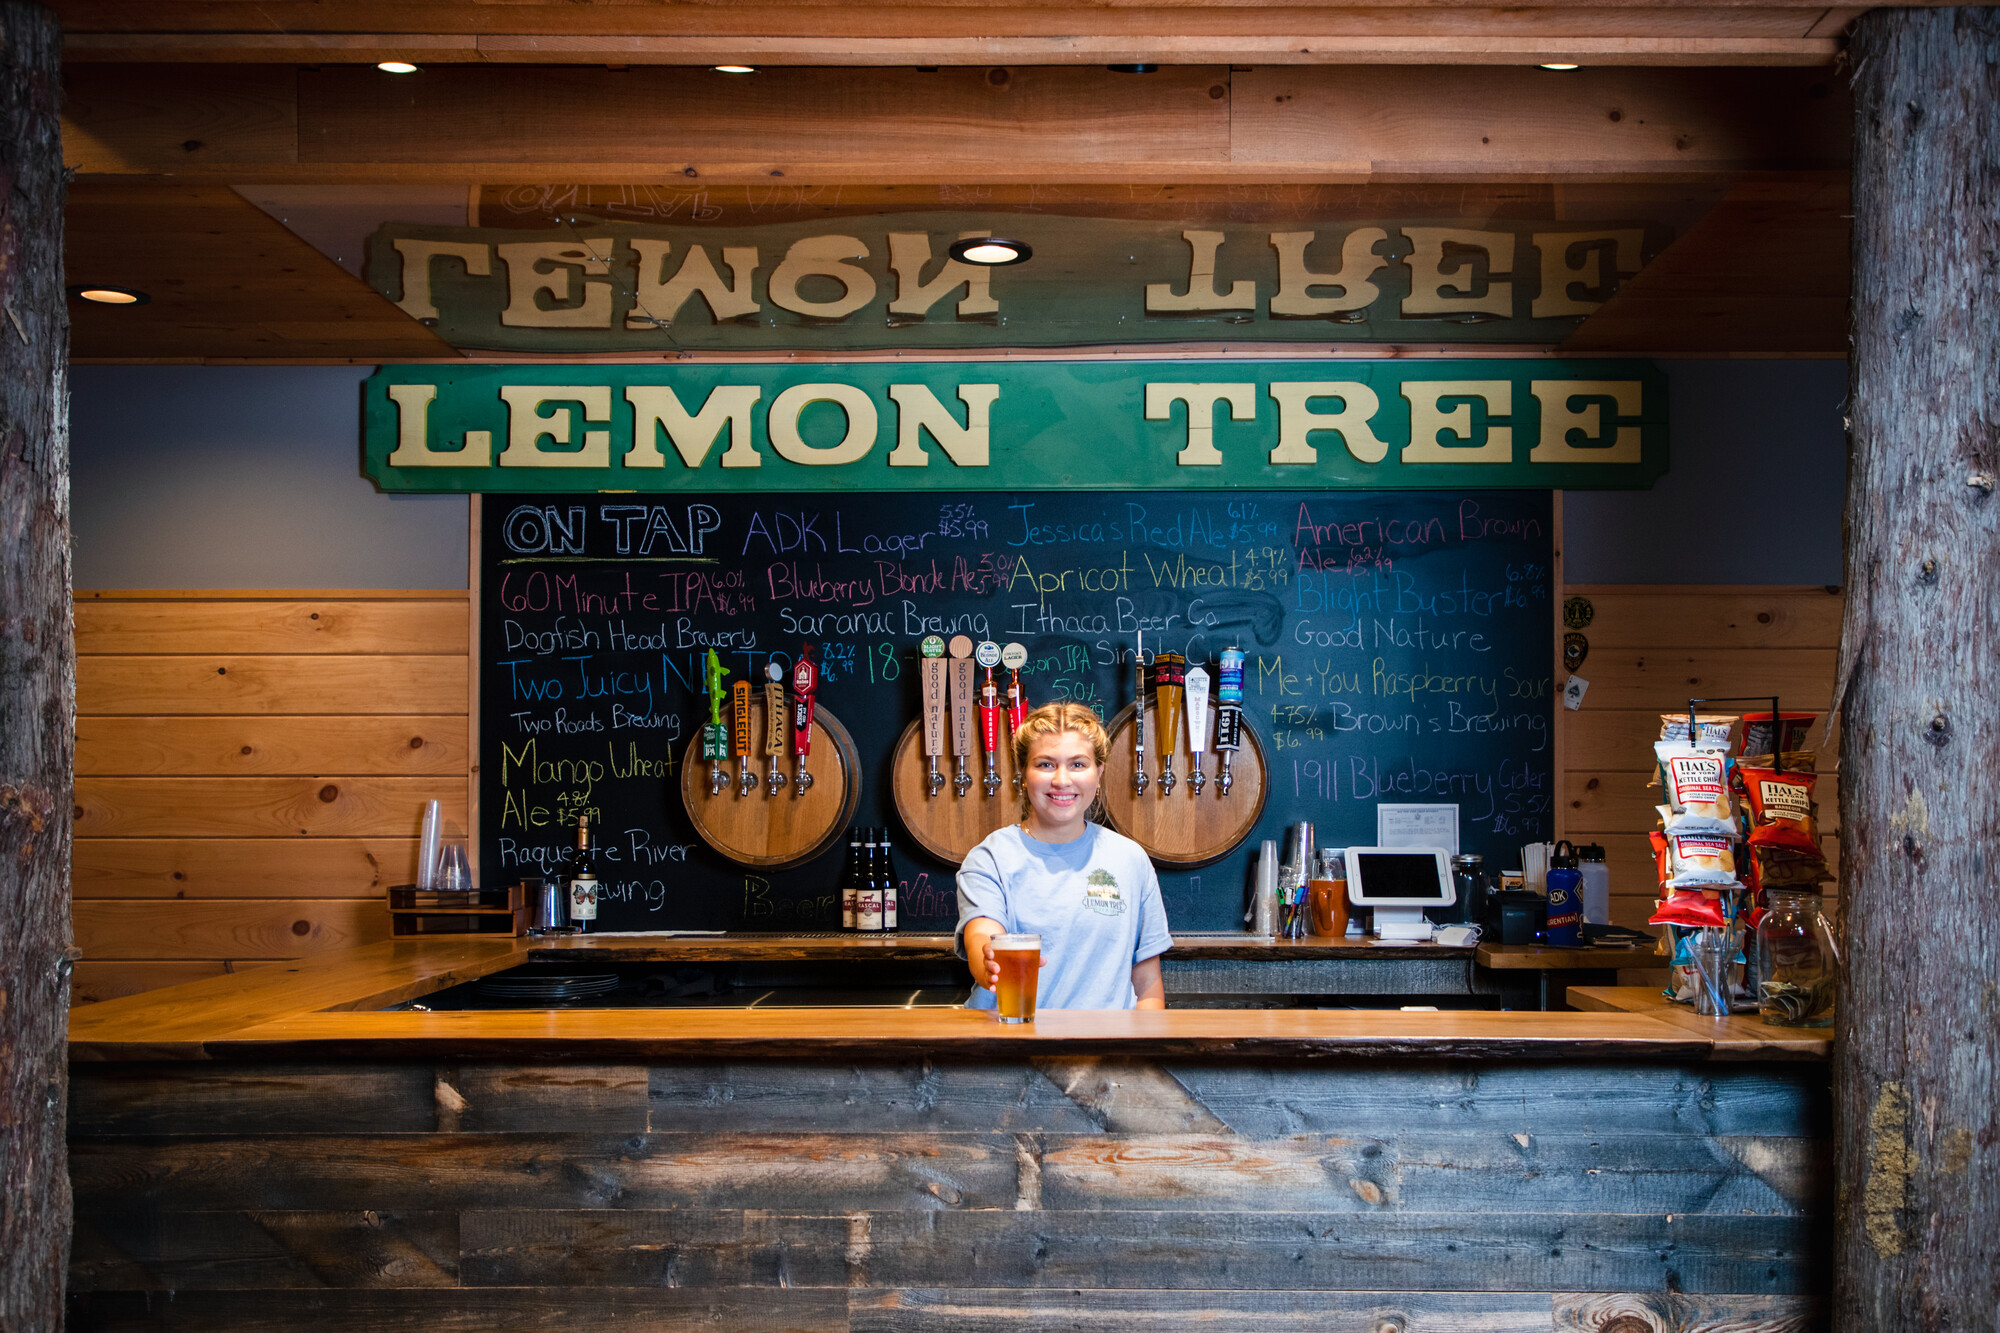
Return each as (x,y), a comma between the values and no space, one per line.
(1565,925)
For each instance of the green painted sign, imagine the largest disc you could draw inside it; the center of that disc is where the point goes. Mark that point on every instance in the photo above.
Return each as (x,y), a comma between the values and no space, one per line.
(1112,424)
(888,281)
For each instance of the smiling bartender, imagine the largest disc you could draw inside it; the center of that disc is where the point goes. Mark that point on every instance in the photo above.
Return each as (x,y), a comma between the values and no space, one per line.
(1091,894)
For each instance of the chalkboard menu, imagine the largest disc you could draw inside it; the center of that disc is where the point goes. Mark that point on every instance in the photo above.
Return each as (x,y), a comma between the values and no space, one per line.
(1399,650)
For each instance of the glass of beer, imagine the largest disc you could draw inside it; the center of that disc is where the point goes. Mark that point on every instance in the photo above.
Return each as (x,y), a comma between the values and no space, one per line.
(1020,960)
(1328,894)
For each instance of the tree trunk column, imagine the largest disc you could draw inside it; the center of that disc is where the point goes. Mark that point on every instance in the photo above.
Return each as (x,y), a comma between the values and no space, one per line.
(1916,1084)
(37,677)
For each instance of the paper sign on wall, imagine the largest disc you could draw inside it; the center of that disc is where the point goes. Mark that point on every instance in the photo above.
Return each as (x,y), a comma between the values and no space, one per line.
(1417,826)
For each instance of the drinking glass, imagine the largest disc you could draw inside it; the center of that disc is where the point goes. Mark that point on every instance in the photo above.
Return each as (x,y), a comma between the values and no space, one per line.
(1020,961)
(1329,893)
(454,871)
(1714,951)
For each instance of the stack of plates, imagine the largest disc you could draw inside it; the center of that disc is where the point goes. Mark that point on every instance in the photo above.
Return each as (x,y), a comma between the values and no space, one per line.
(548,989)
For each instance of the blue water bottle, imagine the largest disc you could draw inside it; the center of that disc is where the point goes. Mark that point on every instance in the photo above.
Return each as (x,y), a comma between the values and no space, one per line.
(1565,924)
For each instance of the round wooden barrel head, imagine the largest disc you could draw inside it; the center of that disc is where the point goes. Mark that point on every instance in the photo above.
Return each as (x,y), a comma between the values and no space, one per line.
(1179,828)
(777,832)
(947,825)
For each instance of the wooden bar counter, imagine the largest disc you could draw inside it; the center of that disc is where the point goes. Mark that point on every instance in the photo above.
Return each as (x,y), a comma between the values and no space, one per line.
(278,1149)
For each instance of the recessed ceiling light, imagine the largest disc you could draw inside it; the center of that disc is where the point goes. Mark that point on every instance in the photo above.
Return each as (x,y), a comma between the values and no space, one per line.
(395,67)
(734,69)
(110,295)
(1557,64)
(992,251)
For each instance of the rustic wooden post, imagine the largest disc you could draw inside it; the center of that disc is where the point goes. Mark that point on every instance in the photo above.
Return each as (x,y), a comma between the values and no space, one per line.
(1916,1079)
(37,677)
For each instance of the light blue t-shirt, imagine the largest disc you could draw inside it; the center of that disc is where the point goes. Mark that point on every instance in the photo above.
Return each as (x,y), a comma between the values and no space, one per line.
(1094,901)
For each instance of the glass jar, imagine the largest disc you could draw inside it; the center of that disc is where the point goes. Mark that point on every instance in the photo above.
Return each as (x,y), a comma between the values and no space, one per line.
(1796,962)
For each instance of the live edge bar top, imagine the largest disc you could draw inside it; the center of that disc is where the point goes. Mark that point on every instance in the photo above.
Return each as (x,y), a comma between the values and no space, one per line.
(332,1007)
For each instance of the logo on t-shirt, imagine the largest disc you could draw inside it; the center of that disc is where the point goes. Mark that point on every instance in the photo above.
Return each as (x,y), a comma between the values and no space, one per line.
(1100,894)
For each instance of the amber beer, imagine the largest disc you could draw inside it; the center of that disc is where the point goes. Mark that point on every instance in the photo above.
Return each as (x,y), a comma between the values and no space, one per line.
(1020,960)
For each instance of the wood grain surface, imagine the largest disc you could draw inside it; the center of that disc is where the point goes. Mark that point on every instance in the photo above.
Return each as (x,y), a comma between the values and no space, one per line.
(928,1192)
(254,771)
(784,830)
(133,623)
(948,825)
(432,746)
(1179,827)
(226,683)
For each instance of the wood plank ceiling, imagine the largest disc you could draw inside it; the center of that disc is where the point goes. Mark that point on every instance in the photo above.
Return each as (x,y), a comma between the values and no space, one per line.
(1356,110)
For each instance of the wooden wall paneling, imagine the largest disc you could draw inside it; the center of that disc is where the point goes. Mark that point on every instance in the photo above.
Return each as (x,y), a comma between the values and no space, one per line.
(253,780)
(874,33)
(258,746)
(1651,644)
(244,928)
(133,624)
(975,122)
(281,807)
(1659,679)
(199,867)
(1765,273)
(226,683)
(226,280)
(1638,616)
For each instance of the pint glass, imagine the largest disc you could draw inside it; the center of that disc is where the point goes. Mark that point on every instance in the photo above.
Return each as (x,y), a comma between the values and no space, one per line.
(1020,961)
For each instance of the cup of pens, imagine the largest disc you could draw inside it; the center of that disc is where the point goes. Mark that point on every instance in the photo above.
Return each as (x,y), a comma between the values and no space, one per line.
(1295,882)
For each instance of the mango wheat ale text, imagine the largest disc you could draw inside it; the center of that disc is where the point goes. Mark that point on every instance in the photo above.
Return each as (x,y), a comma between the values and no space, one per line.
(1020,960)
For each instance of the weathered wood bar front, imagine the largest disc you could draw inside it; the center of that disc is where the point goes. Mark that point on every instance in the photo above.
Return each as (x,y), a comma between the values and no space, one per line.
(282,1149)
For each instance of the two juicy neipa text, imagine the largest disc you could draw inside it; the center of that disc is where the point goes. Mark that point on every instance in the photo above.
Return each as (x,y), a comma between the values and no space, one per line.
(1020,961)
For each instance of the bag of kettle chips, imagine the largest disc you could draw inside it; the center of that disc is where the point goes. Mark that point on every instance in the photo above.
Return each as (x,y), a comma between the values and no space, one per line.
(1701,860)
(1782,868)
(1781,809)
(1796,761)
(1690,907)
(1712,731)
(1762,735)
(1697,787)
(1661,872)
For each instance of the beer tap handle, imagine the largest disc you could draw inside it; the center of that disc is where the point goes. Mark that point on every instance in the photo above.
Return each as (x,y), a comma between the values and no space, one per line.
(1014,657)
(1139,715)
(739,698)
(987,655)
(805,689)
(1228,716)
(962,704)
(774,727)
(1196,692)
(1167,690)
(714,733)
(932,649)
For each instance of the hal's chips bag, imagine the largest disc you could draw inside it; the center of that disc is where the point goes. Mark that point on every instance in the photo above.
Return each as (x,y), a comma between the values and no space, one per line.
(1701,860)
(1690,907)
(1781,809)
(1697,788)
(1712,731)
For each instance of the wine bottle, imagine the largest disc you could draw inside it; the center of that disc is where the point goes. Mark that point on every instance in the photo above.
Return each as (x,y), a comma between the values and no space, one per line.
(889,885)
(583,880)
(850,880)
(868,913)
